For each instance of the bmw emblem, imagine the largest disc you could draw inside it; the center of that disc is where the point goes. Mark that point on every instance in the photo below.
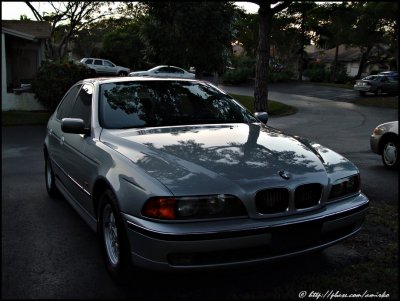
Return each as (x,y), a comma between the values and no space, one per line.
(284,174)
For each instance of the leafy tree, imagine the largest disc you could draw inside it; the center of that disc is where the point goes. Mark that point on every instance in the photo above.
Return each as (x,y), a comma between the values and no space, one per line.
(334,28)
(370,28)
(86,42)
(246,27)
(266,13)
(299,15)
(23,17)
(72,16)
(124,46)
(188,34)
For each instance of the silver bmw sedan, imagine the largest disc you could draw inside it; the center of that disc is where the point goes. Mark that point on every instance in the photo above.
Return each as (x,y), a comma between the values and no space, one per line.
(174,174)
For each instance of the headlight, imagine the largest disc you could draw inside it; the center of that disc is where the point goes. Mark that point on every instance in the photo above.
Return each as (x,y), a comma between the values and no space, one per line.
(181,208)
(345,186)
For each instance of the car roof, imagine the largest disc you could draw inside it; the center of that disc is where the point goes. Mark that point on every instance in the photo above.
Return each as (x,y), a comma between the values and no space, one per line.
(106,80)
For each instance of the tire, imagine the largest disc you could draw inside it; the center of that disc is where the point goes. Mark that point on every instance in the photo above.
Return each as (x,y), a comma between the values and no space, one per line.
(122,73)
(378,92)
(390,153)
(362,93)
(113,239)
(50,179)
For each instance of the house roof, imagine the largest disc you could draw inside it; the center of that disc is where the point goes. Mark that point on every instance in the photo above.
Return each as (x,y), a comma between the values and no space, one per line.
(37,29)
(345,54)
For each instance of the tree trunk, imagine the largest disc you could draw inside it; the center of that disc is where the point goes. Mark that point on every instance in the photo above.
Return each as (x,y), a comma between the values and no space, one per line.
(363,60)
(262,66)
(335,63)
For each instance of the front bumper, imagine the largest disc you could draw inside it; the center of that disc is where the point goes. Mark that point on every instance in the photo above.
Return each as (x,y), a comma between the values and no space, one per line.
(374,143)
(205,245)
(364,88)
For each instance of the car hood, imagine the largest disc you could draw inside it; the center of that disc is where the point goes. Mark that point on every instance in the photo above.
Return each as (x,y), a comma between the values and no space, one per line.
(228,158)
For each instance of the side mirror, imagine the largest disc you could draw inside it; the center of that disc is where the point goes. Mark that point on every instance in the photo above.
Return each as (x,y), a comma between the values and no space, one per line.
(262,116)
(74,126)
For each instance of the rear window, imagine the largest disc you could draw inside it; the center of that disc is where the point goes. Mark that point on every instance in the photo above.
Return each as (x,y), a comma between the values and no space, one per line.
(166,103)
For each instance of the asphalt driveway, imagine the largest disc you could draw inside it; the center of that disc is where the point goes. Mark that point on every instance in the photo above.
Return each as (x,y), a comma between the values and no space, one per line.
(49,252)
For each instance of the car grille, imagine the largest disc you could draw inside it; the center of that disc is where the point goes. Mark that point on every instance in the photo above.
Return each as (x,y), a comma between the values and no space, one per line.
(307,196)
(277,200)
(272,200)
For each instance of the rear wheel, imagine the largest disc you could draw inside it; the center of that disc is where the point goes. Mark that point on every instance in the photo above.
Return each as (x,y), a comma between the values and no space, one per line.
(390,154)
(122,73)
(113,239)
(362,93)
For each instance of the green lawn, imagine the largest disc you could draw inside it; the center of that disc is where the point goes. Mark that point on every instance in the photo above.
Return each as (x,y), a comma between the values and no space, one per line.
(274,108)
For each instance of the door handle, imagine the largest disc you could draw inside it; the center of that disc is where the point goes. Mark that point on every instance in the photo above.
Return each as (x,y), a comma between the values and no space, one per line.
(62,140)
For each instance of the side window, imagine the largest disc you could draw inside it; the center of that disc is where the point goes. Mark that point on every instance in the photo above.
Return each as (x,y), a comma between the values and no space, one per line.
(175,70)
(83,104)
(108,64)
(98,62)
(90,61)
(164,70)
(67,103)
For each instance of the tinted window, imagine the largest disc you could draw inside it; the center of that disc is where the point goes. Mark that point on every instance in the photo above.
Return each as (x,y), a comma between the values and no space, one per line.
(166,103)
(109,64)
(83,104)
(89,61)
(67,103)
(164,69)
(175,70)
(98,62)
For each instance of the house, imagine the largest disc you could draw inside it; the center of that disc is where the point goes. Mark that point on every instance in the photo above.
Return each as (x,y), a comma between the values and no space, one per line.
(22,52)
(349,57)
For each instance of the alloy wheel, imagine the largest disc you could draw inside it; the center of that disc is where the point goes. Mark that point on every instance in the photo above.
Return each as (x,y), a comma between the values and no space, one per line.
(110,234)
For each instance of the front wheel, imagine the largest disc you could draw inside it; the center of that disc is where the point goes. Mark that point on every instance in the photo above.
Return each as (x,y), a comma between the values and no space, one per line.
(50,179)
(122,73)
(362,93)
(378,92)
(113,239)
(390,154)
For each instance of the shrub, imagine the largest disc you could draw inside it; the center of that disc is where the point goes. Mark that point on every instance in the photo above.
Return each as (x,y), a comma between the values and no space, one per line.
(316,72)
(283,75)
(236,76)
(244,69)
(53,80)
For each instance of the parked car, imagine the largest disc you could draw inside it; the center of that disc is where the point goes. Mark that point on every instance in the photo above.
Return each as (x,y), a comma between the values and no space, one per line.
(164,71)
(377,84)
(384,141)
(174,174)
(106,67)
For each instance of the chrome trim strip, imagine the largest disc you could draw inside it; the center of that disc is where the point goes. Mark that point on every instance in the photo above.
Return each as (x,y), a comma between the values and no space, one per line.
(69,177)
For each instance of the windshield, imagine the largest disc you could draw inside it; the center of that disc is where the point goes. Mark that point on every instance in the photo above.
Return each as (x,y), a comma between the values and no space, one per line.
(166,103)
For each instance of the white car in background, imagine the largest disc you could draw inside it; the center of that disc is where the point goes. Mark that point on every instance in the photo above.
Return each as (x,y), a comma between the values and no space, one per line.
(164,71)
(384,141)
(101,66)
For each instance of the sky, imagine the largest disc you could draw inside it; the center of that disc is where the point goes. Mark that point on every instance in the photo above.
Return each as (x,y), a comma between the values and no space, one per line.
(13,10)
